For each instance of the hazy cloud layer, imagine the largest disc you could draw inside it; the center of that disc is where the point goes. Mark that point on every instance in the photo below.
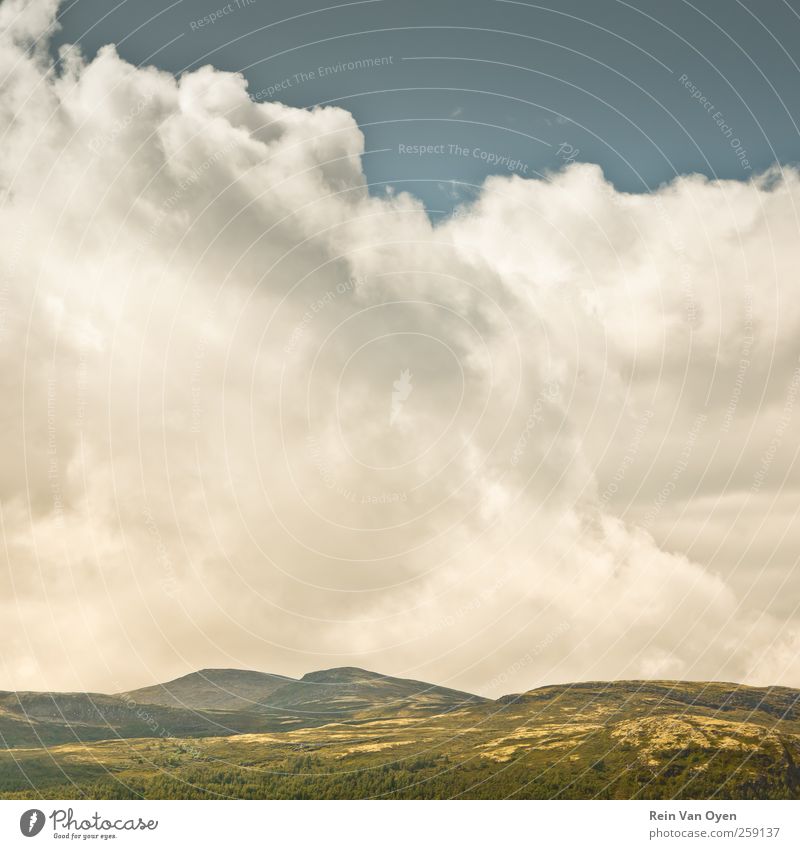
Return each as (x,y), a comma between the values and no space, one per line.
(255,416)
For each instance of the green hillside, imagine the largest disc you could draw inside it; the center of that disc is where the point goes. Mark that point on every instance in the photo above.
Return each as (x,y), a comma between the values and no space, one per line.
(213,689)
(346,691)
(405,739)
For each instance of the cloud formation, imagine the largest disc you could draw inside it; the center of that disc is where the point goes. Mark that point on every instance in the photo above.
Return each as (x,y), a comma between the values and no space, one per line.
(255,415)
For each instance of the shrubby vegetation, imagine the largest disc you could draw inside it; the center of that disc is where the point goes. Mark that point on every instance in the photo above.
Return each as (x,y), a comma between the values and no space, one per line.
(618,741)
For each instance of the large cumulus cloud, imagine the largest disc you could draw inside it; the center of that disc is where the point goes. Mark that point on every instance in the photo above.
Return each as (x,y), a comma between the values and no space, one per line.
(255,415)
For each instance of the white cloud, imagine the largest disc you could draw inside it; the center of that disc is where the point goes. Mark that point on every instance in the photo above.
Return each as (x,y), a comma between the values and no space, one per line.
(204,314)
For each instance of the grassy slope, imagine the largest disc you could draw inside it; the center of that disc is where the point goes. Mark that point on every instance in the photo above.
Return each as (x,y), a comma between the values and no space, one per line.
(213,689)
(217,702)
(620,740)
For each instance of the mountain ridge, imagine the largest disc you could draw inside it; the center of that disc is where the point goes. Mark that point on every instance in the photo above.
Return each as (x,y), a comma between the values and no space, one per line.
(356,734)
(211,689)
(321,693)
(219,702)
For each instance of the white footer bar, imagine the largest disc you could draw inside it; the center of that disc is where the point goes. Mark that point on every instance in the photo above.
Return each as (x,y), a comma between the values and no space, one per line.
(403,824)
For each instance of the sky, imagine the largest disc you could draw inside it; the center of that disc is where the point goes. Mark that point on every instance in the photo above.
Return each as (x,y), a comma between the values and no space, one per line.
(514,79)
(456,341)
